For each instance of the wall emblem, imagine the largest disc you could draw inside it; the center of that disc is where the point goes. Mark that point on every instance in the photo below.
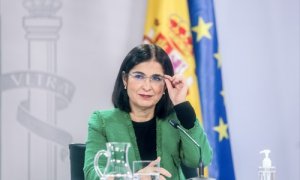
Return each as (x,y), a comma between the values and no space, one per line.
(47,92)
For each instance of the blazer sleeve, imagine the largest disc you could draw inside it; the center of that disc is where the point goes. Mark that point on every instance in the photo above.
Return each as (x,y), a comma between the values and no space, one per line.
(189,152)
(95,141)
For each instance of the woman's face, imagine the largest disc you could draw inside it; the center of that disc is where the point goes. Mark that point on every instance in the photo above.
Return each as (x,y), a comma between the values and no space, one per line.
(145,85)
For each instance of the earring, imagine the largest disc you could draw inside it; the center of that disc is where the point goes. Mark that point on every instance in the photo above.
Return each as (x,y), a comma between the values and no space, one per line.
(164,93)
(125,87)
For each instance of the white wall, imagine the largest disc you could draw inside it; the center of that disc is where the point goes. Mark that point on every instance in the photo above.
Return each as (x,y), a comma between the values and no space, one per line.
(259,42)
(260,48)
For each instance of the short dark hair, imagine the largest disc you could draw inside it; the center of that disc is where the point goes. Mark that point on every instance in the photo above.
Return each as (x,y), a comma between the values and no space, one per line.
(139,54)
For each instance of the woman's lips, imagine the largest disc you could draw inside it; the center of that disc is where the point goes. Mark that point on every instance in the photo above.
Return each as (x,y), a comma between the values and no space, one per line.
(145,95)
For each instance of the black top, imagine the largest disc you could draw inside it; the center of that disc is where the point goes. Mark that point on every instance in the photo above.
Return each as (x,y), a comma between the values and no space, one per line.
(145,132)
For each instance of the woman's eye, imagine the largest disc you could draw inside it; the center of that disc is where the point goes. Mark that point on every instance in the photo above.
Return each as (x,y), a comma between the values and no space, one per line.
(139,76)
(157,78)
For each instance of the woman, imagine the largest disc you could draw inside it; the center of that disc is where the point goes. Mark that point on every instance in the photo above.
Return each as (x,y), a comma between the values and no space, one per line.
(146,96)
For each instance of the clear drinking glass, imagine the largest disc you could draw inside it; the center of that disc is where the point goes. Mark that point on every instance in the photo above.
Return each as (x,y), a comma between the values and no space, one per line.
(145,170)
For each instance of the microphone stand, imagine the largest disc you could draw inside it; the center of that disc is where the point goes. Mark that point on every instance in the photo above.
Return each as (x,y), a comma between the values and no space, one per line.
(201,165)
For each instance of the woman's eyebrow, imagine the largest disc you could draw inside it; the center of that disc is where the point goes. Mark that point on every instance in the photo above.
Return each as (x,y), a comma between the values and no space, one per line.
(158,74)
(138,72)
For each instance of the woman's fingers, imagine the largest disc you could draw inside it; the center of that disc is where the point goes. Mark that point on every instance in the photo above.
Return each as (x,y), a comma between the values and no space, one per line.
(168,80)
(169,84)
(177,88)
(168,77)
(164,172)
(175,80)
(153,163)
(178,79)
(161,177)
(151,167)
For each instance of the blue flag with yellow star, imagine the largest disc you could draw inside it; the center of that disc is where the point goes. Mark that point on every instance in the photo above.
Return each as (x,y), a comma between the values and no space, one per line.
(208,70)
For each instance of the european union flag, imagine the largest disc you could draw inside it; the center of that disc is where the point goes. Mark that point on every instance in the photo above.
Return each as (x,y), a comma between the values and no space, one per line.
(208,70)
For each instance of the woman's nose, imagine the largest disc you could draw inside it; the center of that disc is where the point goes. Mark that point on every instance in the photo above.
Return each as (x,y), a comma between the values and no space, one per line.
(147,84)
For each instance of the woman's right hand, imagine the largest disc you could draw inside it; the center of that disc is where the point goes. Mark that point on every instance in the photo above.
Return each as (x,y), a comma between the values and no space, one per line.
(177,88)
(151,168)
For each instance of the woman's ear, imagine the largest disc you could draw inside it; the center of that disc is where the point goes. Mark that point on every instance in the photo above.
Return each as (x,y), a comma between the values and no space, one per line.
(124,79)
(125,84)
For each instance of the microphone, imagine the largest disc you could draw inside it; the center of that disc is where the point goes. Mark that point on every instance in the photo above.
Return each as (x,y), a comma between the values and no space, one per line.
(178,126)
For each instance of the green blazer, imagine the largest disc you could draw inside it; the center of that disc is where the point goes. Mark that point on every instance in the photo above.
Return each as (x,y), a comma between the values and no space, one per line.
(172,145)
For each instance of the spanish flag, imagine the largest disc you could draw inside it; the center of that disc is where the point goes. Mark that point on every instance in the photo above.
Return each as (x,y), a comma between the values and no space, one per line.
(168,25)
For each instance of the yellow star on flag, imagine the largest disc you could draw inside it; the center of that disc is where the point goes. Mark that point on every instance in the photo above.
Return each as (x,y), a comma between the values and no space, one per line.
(222,130)
(222,93)
(202,29)
(218,58)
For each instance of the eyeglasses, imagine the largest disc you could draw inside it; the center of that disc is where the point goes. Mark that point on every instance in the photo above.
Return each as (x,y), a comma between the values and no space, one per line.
(155,79)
